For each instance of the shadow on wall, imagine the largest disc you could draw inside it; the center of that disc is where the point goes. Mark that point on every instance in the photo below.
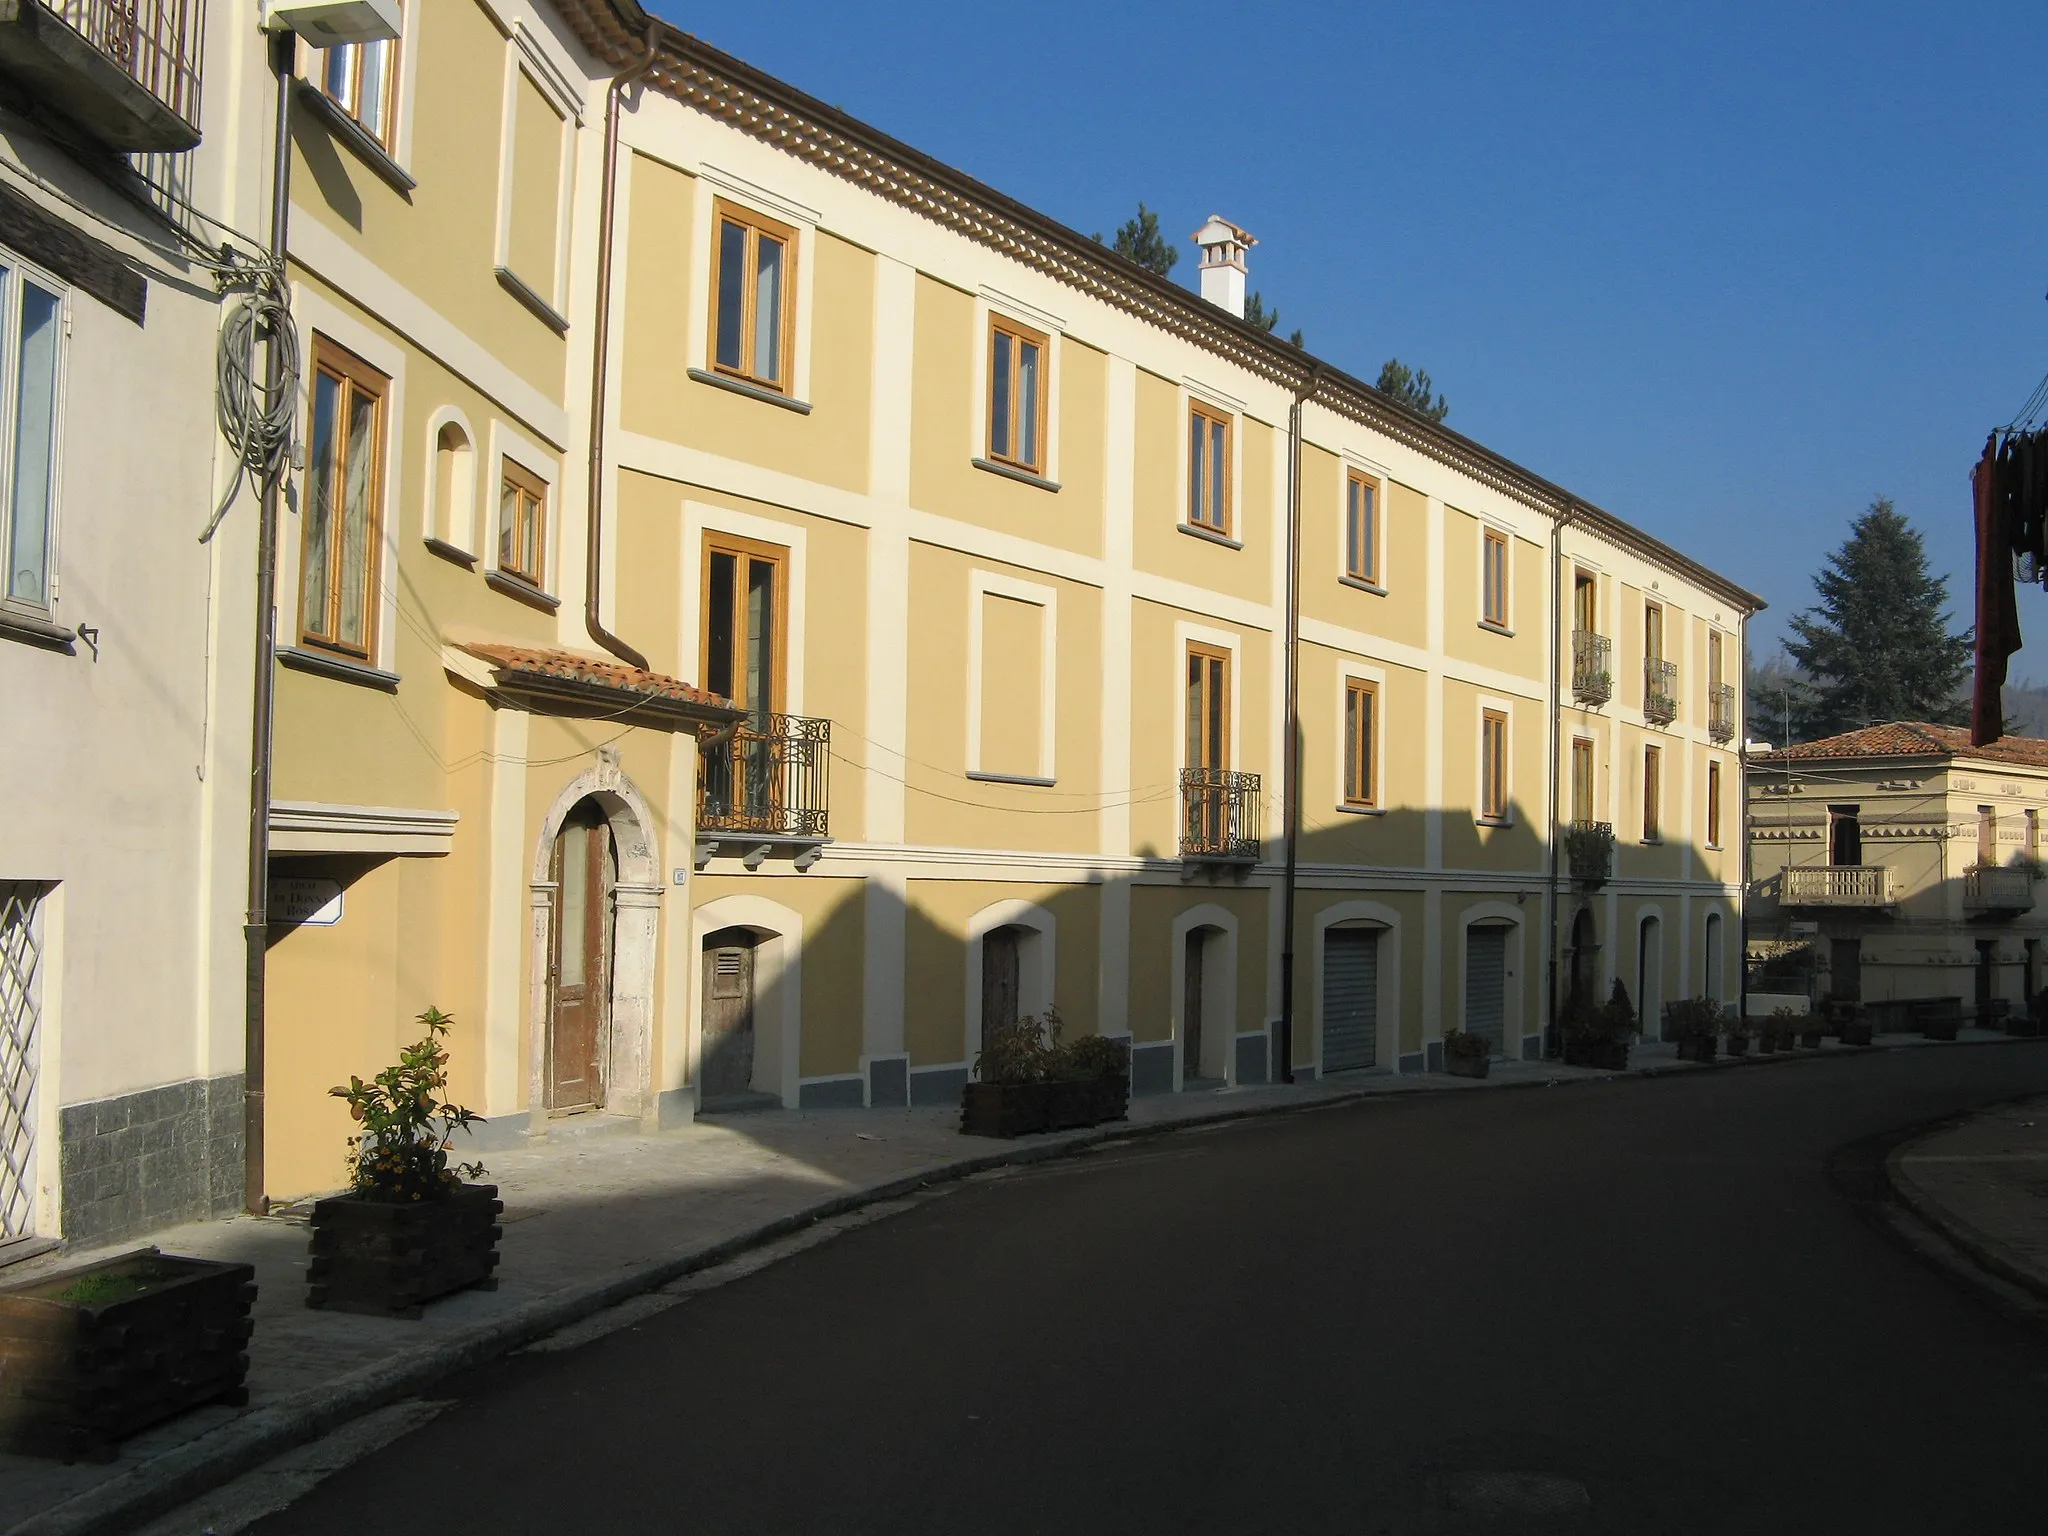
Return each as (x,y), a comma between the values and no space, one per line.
(1196,977)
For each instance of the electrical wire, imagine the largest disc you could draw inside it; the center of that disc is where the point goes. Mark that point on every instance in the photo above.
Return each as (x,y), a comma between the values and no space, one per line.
(255,417)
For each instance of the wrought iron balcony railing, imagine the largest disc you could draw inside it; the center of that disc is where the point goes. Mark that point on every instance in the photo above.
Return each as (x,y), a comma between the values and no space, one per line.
(1592,667)
(1838,885)
(1721,711)
(769,779)
(127,71)
(1660,690)
(1219,815)
(1589,850)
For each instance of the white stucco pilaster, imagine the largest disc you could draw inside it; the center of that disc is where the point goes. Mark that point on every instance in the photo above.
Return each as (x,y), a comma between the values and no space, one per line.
(888,607)
(508,914)
(1433,698)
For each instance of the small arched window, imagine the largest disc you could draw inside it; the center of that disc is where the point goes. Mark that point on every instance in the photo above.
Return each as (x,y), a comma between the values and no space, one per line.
(452,517)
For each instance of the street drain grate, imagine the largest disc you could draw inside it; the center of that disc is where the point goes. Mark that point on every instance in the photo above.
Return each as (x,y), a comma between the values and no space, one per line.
(1496,1495)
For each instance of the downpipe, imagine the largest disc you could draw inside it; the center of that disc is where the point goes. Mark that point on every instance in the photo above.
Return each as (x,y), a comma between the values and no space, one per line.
(1290,769)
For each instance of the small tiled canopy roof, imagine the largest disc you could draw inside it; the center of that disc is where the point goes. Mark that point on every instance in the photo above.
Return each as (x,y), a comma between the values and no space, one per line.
(1907,738)
(525,663)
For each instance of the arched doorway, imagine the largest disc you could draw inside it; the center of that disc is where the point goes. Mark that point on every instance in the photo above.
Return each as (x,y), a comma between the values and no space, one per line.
(1710,983)
(1002,977)
(585,873)
(727,1071)
(1204,1032)
(1582,983)
(1650,977)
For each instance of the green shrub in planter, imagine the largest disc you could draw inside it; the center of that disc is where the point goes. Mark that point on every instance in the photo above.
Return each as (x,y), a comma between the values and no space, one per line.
(1030,1081)
(410,1229)
(1467,1054)
(1695,1023)
(1600,1037)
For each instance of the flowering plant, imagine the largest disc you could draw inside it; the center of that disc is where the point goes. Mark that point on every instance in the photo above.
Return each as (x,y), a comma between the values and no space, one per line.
(401,1153)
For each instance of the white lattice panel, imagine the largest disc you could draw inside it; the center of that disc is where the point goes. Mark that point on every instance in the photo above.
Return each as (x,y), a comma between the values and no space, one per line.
(20,1013)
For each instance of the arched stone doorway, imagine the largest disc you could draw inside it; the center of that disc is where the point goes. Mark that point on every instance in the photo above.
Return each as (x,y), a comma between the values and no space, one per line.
(596,904)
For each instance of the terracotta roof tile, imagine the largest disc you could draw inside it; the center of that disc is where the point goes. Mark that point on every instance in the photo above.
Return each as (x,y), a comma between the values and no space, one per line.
(615,676)
(1908,738)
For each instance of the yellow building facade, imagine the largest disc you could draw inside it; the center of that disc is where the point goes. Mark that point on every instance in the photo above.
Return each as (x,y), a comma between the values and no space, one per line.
(936,664)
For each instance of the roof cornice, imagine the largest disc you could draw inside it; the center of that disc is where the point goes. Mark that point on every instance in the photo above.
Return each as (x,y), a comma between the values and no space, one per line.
(777,113)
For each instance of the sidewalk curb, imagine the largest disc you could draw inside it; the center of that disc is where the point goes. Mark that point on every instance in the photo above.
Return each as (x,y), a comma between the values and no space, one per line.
(164,1482)
(1981,1248)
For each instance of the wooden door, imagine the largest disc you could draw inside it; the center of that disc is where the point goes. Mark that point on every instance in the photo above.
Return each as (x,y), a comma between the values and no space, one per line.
(1582,780)
(1845,835)
(585,871)
(1208,745)
(728,1062)
(1191,1008)
(1585,606)
(1001,980)
(746,602)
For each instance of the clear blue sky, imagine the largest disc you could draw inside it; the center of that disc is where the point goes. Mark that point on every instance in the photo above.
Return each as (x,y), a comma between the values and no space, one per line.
(1728,271)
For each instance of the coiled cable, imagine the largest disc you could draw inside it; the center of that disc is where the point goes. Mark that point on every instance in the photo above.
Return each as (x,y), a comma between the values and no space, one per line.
(255,419)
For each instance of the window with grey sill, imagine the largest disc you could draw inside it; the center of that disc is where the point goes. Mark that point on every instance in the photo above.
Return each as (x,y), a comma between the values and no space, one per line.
(31,365)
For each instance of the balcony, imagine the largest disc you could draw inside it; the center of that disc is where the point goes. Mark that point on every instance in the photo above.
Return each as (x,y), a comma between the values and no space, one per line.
(1219,816)
(1589,850)
(1988,889)
(1721,711)
(1660,691)
(126,71)
(766,784)
(1592,667)
(1838,885)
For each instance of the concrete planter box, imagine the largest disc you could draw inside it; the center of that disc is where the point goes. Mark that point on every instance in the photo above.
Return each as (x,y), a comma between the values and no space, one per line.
(1940,1029)
(90,1356)
(1738,1046)
(1698,1047)
(390,1260)
(1467,1066)
(1009,1110)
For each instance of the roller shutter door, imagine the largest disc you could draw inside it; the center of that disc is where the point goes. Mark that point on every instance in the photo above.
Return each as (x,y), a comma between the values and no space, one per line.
(1351,995)
(1486,965)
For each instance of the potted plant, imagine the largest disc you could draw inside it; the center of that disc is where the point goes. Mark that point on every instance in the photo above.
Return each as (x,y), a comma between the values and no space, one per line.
(1739,1037)
(1811,1031)
(410,1229)
(91,1355)
(1467,1054)
(1940,1019)
(1771,1033)
(1102,1067)
(1599,1037)
(1695,1022)
(1009,1096)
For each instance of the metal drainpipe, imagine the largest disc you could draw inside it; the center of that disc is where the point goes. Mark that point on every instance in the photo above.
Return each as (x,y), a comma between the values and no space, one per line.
(593,510)
(1557,528)
(1742,780)
(256,925)
(1290,758)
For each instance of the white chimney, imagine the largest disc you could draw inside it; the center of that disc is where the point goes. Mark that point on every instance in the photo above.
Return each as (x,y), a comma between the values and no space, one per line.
(1223,246)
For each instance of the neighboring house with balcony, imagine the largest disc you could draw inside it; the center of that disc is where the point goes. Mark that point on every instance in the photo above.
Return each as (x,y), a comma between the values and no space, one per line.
(125,642)
(1902,863)
(931,669)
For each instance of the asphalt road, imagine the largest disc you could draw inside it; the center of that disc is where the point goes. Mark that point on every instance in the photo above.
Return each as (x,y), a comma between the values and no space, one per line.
(1636,1307)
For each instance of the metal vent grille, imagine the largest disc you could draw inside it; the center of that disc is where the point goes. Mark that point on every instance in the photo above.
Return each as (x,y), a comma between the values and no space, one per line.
(20,1011)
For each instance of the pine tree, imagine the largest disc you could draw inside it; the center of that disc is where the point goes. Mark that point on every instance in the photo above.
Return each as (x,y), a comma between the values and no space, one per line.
(1256,313)
(1411,386)
(1877,647)
(1139,239)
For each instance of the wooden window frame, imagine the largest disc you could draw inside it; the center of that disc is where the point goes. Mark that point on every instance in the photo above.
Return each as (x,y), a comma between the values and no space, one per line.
(1197,503)
(1493,767)
(1373,571)
(1024,335)
(1653,793)
(516,477)
(756,224)
(1219,704)
(1713,805)
(385,138)
(1716,668)
(744,549)
(1491,539)
(1361,748)
(1653,623)
(1583,746)
(1584,580)
(356,375)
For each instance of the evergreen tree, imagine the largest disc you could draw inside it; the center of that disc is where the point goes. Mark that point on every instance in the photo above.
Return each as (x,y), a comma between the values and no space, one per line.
(1412,388)
(1877,645)
(1773,690)
(1256,313)
(1139,239)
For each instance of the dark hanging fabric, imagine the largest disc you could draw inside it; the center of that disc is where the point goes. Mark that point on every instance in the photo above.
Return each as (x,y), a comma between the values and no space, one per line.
(1999,488)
